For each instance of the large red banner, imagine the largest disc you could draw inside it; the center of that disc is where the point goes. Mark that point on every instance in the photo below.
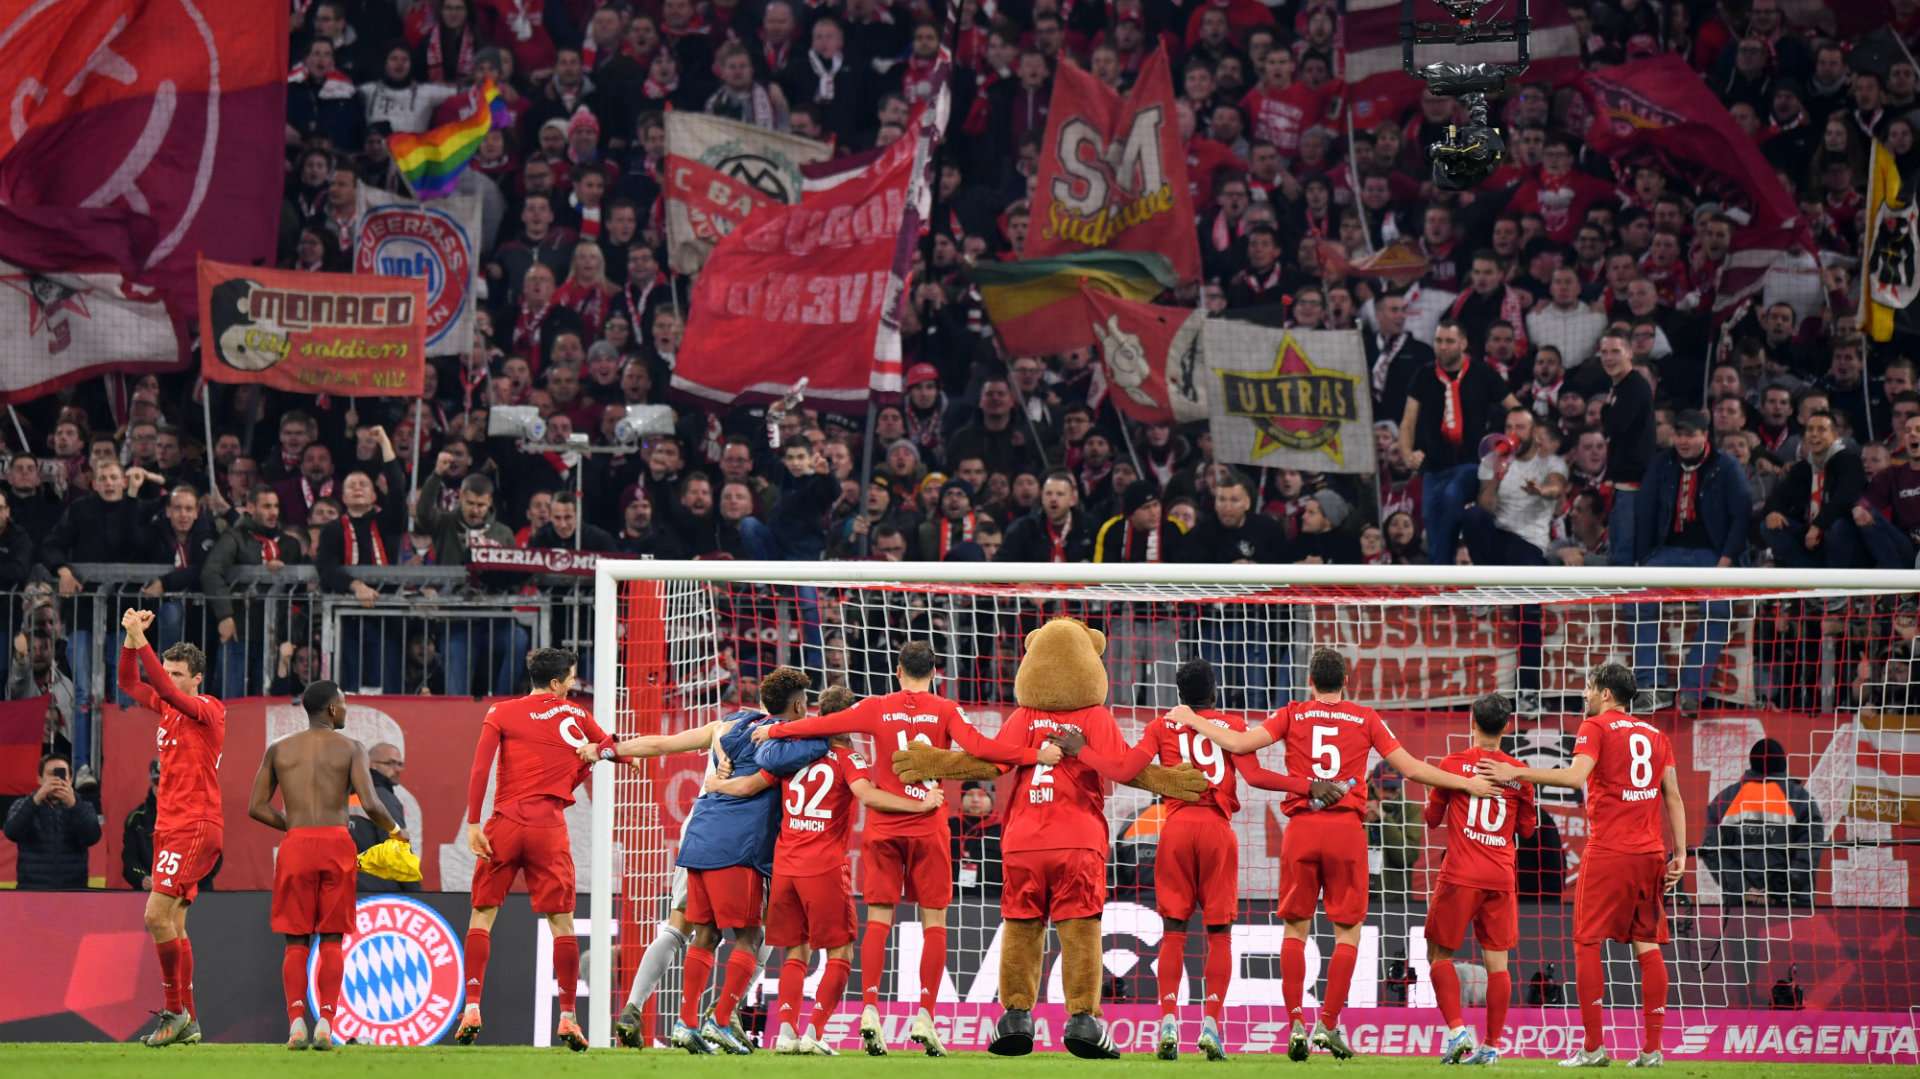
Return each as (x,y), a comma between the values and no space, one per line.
(799,292)
(1113,171)
(142,134)
(345,334)
(436,736)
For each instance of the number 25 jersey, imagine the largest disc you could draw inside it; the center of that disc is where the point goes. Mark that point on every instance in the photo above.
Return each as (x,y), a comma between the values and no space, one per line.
(1329,740)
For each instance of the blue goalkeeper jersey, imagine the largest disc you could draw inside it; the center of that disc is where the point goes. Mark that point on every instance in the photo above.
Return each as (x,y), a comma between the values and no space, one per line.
(723,830)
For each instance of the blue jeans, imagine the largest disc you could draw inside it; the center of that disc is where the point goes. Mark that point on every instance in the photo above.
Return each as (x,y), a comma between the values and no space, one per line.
(235,665)
(1704,653)
(502,643)
(1839,546)
(1444,495)
(379,645)
(1620,524)
(1887,546)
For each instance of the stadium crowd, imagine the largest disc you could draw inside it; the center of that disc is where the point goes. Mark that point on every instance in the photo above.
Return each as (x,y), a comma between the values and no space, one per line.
(1625,426)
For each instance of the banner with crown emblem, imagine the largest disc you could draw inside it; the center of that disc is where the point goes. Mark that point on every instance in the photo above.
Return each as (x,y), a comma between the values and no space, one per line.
(1288,398)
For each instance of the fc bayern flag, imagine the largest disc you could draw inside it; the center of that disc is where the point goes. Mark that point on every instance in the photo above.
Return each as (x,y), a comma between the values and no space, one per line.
(141,134)
(1113,171)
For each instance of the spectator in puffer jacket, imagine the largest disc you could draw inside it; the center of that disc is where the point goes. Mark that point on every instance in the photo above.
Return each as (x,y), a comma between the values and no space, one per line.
(53,828)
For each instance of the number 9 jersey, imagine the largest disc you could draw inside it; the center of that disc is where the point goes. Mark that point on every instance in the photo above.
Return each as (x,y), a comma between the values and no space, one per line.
(1329,740)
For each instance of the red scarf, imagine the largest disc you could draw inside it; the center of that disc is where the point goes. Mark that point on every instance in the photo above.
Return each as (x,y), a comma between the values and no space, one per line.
(269,550)
(379,552)
(638,303)
(946,533)
(180,560)
(1453,417)
(307,493)
(1686,503)
(526,333)
(591,302)
(1818,493)
(917,85)
(1151,554)
(436,59)
(658,91)
(1058,539)
(1224,233)
(775,58)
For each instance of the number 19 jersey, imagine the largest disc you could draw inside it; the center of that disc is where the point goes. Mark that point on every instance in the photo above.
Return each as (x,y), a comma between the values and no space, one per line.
(1174,744)
(1329,740)
(1623,791)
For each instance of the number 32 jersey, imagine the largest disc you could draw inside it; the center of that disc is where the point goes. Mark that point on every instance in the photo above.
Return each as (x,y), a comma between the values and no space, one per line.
(1623,791)
(817,808)
(1330,741)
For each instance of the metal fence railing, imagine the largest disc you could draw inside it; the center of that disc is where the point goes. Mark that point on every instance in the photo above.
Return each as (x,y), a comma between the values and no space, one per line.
(424,630)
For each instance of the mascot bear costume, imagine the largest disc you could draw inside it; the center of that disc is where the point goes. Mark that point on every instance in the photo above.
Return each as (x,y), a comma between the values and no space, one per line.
(1056,835)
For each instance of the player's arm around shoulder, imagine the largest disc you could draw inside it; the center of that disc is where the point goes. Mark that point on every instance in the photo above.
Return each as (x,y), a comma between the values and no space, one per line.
(706,736)
(1220,734)
(260,800)
(1421,772)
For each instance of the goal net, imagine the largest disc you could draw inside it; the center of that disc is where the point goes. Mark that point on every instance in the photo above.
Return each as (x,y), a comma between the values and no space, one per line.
(1787,706)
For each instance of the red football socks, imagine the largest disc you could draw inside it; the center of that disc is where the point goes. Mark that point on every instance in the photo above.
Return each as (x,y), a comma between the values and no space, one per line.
(933,965)
(186,976)
(169,951)
(293,978)
(479,946)
(328,974)
(1173,964)
(740,967)
(873,960)
(1446,991)
(1653,997)
(696,972)
(1499,995)
(793,982)
(1590,981)
(1293,975)
(566,969)
(1339,980)
(1219,972)
(833,985)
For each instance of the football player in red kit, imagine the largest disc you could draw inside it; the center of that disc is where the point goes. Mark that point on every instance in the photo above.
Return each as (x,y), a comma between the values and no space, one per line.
(907,854)
(537,739)
(187,831)
(315,869)
(810,905)
(1476,884)
(1324,849)
(1626,765)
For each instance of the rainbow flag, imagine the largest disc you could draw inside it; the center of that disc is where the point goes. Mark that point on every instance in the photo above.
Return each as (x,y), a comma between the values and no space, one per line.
(432,162)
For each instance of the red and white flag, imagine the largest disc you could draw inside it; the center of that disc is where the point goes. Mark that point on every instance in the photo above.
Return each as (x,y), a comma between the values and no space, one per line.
(717,172)
(1151,366)
(1378,91)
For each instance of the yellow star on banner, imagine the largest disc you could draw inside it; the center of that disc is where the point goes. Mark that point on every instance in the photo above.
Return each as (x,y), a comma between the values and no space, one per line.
(1294,405)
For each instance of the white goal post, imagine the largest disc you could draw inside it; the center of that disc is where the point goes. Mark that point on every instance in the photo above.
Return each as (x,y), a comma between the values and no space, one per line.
(689,648)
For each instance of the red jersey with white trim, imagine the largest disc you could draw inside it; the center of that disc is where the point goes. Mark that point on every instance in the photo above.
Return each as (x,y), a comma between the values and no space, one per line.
(1329,740)
(1061,806)
(892,720)
(1623,791)
(1175,744)
(1481,852)
(1280,116)
(817,810)
(189,739)
(537,738)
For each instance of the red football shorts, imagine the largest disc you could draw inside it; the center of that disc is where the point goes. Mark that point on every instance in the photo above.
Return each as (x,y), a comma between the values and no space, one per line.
(1324,851)
(1495,916)
(183,856)
(1197,868)
(815,910)
(543,853)
(313,879)
(728,898)
(1056,885)
(1621,897)
(915,868)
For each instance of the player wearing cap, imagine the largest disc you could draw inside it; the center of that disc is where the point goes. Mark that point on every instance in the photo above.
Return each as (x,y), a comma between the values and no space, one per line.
(187,829)
(1477,883)
(537,739)
(1626,766)
(907,855)
(1324,849)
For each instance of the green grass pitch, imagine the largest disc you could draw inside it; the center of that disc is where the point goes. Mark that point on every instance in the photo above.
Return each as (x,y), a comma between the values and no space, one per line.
(496,1062)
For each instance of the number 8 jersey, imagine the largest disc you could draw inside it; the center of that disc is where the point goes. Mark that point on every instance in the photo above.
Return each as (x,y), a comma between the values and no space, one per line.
(1329,740)
(1623,791)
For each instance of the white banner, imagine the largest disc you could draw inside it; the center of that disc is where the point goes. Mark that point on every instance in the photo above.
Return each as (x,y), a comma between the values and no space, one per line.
(60,328)
(1288,398)
(718,171)
(436,241)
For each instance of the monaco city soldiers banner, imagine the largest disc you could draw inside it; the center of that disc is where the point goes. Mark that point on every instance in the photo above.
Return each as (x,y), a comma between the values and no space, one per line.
(1288,398)
(1113,171)
(313,332)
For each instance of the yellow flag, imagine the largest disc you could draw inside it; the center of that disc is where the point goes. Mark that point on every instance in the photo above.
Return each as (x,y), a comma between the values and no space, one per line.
(391,859)
(1883,188)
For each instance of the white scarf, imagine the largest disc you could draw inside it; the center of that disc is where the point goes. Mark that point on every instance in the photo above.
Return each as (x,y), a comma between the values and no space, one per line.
(825,74)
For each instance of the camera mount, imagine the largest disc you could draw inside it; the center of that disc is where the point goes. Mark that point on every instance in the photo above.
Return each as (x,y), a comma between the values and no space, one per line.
(1468,154)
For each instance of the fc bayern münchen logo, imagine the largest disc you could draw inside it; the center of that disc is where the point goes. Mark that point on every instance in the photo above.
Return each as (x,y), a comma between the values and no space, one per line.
(405,975)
